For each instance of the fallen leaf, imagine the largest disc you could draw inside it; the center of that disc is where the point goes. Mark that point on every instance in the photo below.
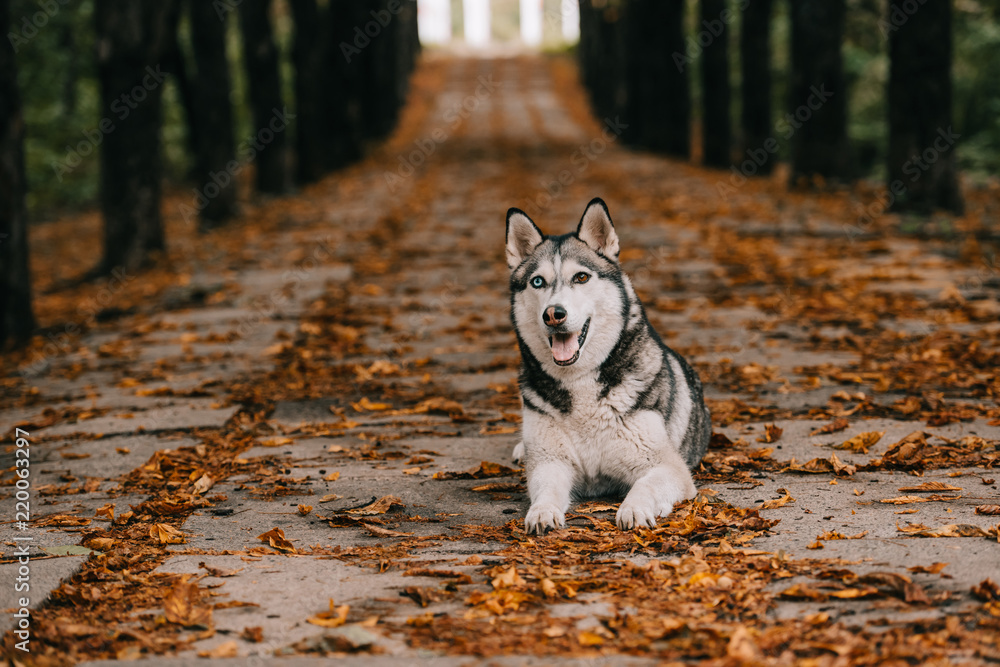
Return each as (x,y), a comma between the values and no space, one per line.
(227,649)
(986,590)
(276,538)
(989,510)
(861,442)
(106,511)
(330,497)
(305,509)
(934,568)
(383,532)
(181,607)
(772,432)
(905,500)
(332,477)
(204,483)
(380,506)
(951,530)
(778,502)
(483,470)
(927,487)
(218,571)
(335,617)
(588,638)
(508,578)
(166,534)
(836,425)
(907,450)
(834,535)
(364,405)
(253,634)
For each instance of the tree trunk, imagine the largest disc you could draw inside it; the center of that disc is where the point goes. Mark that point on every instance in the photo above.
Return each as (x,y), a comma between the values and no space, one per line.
(132,40)
(380,103)
(216,148)
(922,171)
(716,128)
(269,120)
(16,319)
(659,103)
(309,58)
(818,92)
(343,85)
(755,65)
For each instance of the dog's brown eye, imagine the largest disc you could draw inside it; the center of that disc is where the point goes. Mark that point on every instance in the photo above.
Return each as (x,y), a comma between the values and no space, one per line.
(581,278)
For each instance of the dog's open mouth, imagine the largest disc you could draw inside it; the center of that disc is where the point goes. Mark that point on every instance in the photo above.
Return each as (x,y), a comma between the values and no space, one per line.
(566,346)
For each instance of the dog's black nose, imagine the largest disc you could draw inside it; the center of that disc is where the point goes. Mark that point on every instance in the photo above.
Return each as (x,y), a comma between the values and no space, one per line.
(554,315)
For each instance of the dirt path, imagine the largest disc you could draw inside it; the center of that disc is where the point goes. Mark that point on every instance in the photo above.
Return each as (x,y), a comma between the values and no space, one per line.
(351,344)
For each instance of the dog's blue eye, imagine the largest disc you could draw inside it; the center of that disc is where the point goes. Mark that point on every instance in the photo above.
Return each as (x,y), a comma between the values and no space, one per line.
(581,278)
(538,282)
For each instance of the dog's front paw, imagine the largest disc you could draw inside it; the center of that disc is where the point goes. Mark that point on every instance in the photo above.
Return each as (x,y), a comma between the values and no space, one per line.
(542,517)
(518,454)
(635,513)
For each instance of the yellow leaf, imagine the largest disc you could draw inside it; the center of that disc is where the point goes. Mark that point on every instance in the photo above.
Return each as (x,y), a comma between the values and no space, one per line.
(332,477)
(778,502)
(333,618)
(861,442)
(305,509)
(588,638)
(364,405)
(181,607)
(166,534)
(508,579)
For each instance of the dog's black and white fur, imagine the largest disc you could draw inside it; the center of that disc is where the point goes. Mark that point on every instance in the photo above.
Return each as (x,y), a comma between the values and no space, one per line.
(608,408)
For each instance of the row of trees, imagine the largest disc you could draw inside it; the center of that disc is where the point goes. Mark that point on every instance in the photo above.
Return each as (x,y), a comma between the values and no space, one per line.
(351,61)
(637,57)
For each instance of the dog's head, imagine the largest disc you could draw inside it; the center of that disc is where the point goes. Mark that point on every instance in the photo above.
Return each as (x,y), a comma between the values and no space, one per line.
(568,294)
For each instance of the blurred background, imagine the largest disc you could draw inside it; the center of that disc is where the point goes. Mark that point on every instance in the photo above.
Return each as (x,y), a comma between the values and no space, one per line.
(820,93)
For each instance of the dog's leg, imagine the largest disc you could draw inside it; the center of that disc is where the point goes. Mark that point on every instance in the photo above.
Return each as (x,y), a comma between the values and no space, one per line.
(655,493)
(518,454)
(549,487)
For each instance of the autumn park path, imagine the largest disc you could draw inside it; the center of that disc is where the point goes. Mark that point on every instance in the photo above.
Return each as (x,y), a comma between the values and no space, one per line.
(291,438)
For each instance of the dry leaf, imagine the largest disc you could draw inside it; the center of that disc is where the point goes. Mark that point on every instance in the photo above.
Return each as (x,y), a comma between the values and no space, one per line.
(588,638)
(305,509)
(482,471)
(861,442)
(836,425)
(218,571)
(276,538)
(951,530)
(204,483)
(928,487)
(380,506)
(989,510)
(508,578)
(333,618)
(227,649)
(332,477)
(364,405)
(383,532)
(772,432)
(778,502)
(106,511)
(934,568)
(181,607)
(166,534)
(986,590)
(254,634)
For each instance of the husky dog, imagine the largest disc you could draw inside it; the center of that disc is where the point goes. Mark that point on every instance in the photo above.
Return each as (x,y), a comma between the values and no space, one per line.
(608,408)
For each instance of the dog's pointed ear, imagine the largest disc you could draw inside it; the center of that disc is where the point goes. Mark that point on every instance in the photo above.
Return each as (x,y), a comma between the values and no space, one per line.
(522,237)
(597,230)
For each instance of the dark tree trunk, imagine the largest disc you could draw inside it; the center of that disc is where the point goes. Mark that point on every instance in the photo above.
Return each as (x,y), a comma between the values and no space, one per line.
(922,171)
(176,66)
(716,128)
(16,319)
(755,65)
(343,86)
(133,39)
(312,126)
(269,120)
(658,109)
(818,92)
(380,102)
(215,148)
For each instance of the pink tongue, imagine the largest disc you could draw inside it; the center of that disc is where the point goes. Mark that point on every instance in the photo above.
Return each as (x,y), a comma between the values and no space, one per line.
(564,346)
